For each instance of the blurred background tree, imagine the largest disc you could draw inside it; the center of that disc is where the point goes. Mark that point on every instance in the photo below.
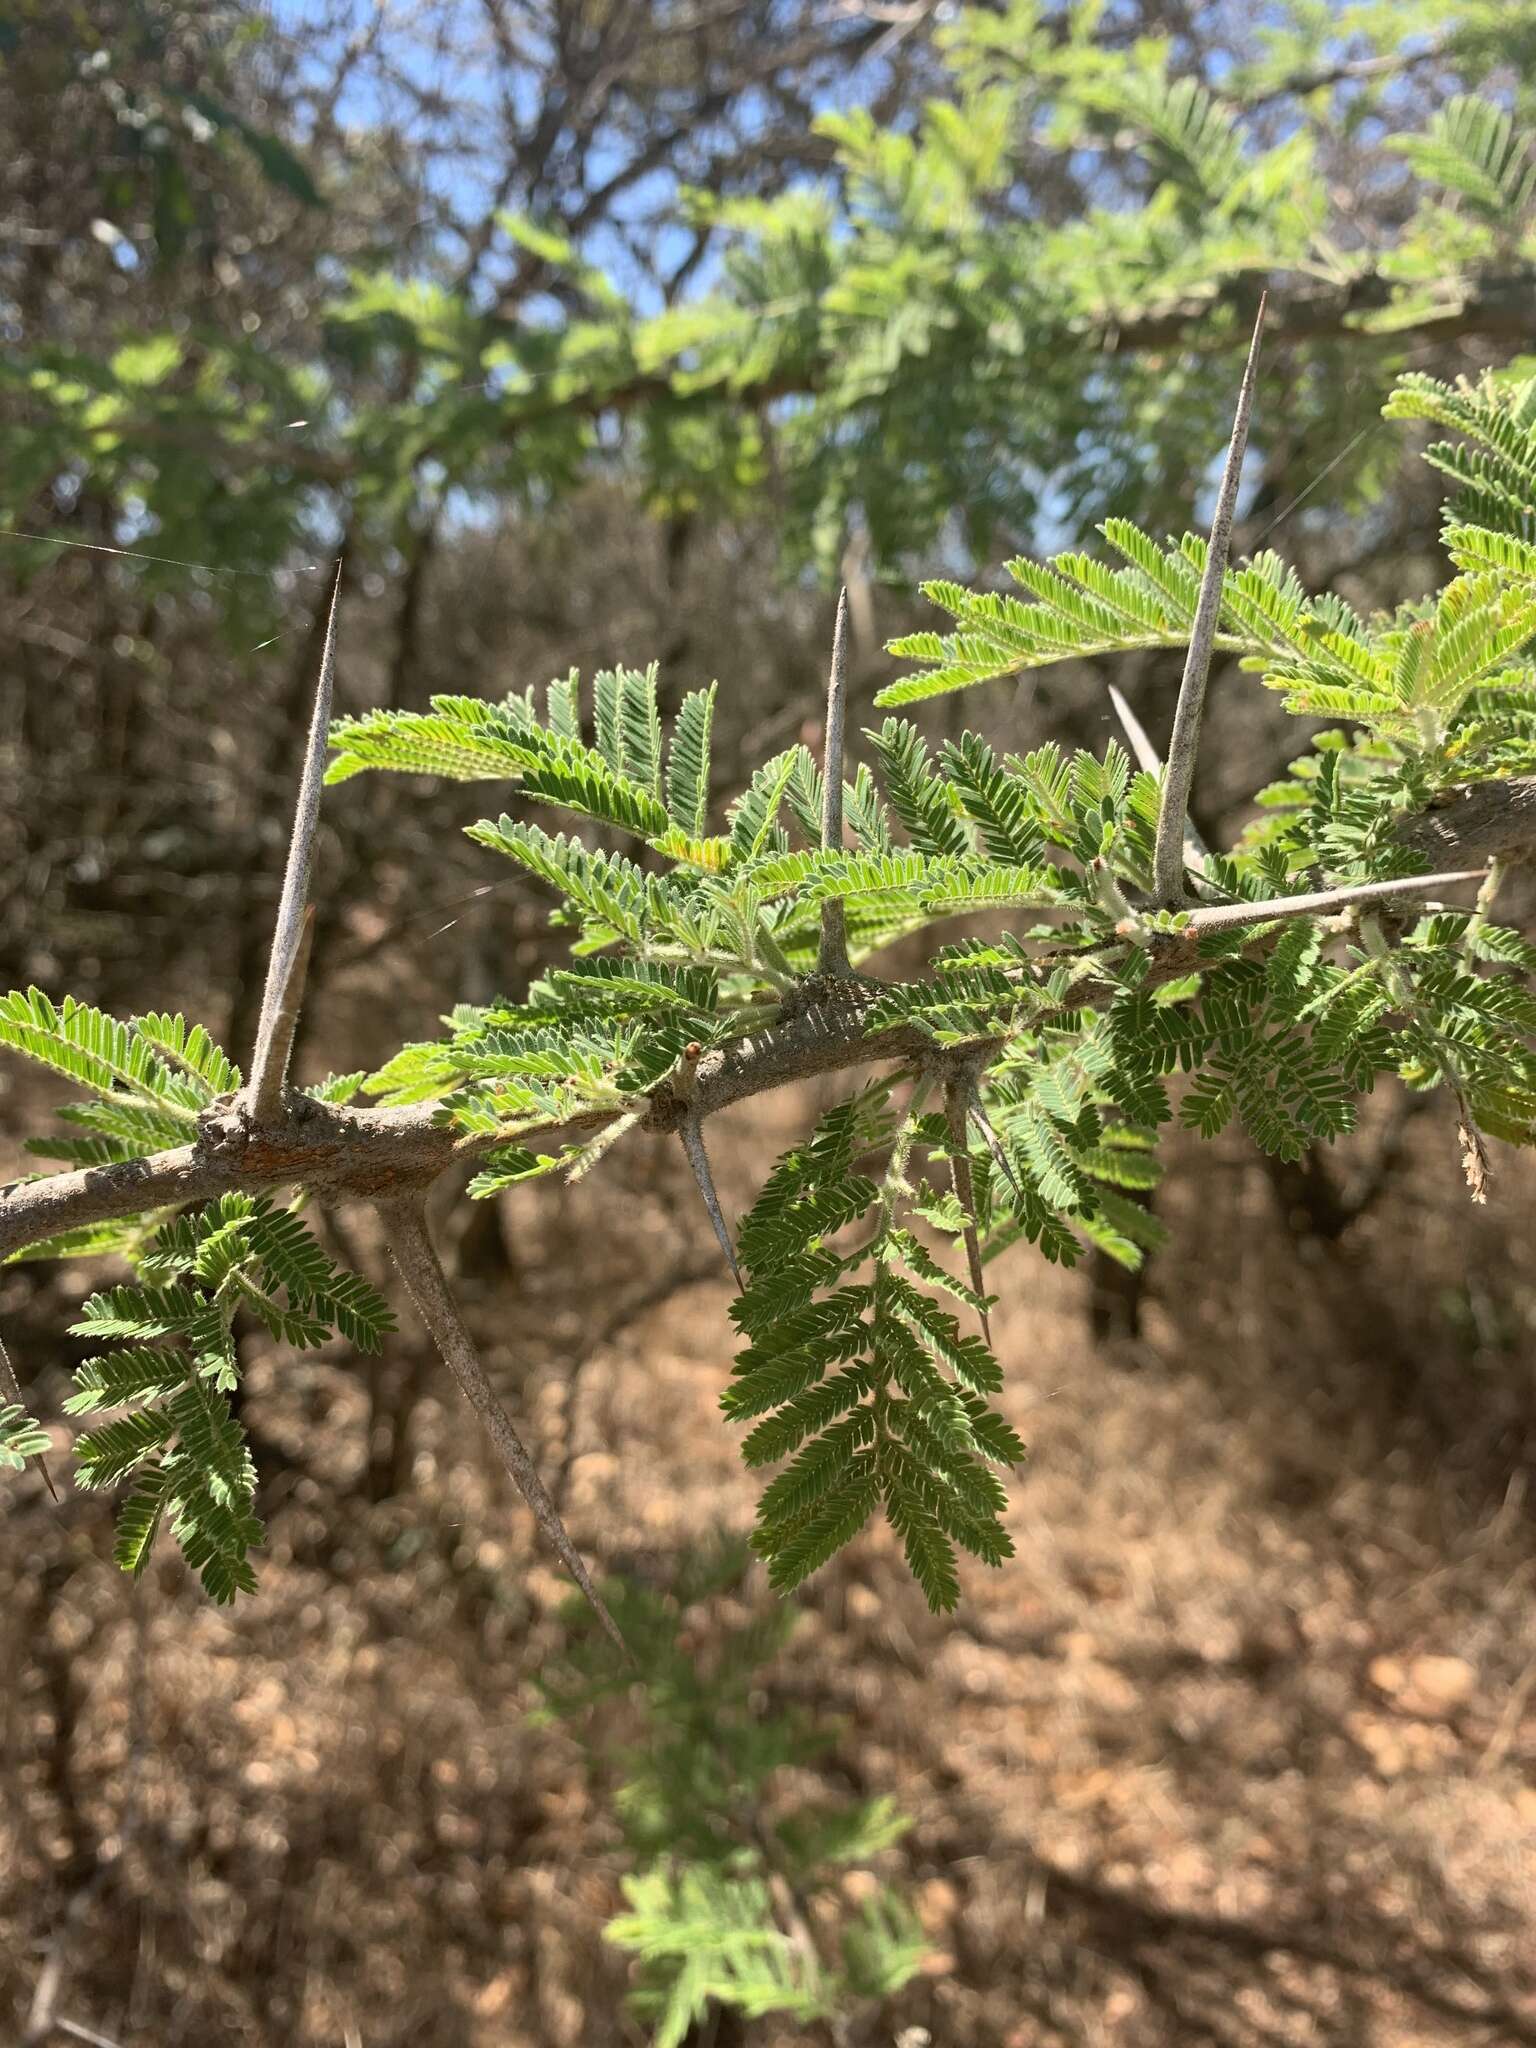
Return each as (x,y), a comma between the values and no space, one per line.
(595,330)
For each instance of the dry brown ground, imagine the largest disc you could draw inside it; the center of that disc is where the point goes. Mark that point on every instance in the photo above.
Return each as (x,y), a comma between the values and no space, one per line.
(1241,1749)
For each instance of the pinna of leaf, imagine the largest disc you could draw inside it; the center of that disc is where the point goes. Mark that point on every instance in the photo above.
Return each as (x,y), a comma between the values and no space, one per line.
(735,963)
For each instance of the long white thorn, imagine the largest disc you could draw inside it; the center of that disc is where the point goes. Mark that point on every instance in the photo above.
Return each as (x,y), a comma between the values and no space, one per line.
(692,1135)
(1222,917)
(285,968)
(412,1250)
(1184,745)
(832,957)
(1143,753)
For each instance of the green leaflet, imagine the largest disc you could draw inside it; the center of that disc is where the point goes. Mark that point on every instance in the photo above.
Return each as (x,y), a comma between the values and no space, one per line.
(901,1425)
(924,802)
(171,1366)
(688,763)
(605,888)
(20,1436)
(754,815)
(721,1807)
(98,1052)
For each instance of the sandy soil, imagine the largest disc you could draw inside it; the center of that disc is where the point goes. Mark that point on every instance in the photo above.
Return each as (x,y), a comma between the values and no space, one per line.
(1240,1749)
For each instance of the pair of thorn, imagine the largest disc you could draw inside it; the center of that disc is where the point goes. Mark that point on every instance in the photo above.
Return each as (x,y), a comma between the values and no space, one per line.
(832,953)
(1179,853)
(403,1215)
(404,1218)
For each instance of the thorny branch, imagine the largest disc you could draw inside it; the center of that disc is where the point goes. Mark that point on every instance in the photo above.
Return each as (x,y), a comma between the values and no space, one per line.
(374,1154)
(266,1136)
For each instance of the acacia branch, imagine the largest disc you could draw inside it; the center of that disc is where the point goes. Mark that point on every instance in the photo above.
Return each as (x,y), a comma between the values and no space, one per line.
(341,1153)
(1493,307)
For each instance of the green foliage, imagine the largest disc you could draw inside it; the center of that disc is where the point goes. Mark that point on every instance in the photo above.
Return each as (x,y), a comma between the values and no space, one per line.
(170,1362)
(1059,1040)
(173,1367)
(1473,150)
(734,1869)
(153,1060)
(869,1386)
(952,307)
(865,1375)
(1496,473)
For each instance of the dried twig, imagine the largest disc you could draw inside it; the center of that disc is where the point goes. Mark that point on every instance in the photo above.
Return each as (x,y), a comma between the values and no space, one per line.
(290,948)
(833,955)
(1476,1167)
(412,1250)
(1184,744)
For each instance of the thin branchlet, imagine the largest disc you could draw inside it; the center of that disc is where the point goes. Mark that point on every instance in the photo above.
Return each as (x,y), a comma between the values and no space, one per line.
(411,1248)
(833,954)
(1184,744)
(289,958)
(692,1135)
(1222,917)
